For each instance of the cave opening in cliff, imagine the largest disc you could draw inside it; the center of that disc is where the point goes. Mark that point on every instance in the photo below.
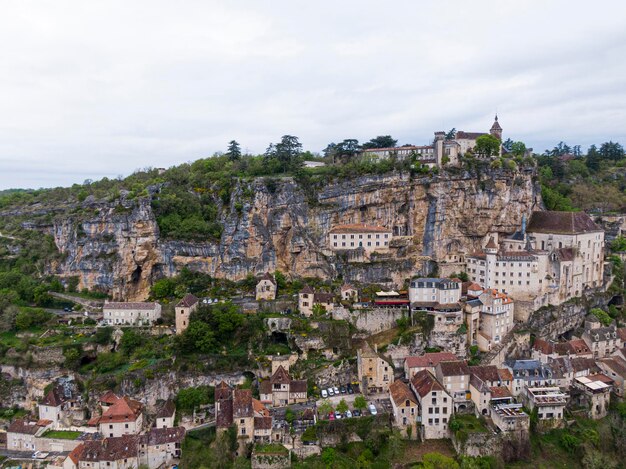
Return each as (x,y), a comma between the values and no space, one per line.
(279,338)
(136,275)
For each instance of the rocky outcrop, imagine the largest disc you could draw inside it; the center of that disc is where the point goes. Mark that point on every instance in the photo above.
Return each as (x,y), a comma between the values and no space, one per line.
(115,246)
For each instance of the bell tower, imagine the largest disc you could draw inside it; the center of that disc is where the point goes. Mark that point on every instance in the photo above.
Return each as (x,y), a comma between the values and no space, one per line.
(496,130)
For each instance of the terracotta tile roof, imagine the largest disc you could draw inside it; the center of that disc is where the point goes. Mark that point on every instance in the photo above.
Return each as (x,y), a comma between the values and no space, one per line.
(168,409)
(543,346)
(400,393)
(424,383)
(109,397)
(298,386)
(486,373)
(131,305)
(429,359)
(580,364)
(109,449)
(322,297)
(259,408)
(308,290)
(187,301)
(499,392)
(561,222)
(621,333)
(280,376)
(347,286)
(224,417)
(54,398)
(25,426)
(222,391)
(359,228)
(265,387)
(124,410)
(572,347)
(161,436)
(262,423)
(454,368)
(617,364)
(242,403)
(505,374)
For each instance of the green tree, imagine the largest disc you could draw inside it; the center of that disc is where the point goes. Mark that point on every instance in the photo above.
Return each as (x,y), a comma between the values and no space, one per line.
(593,158)
(234,151)
(360,402)
(382,141)
(328,456)
(197,338)
(438,461)
(342,407)
(324,408)
(318,309)
(602,316)
(611,151)
(348,147)
(518,148)
(487,146)
(130,341)
(103,335)
(163,288)
(73,356)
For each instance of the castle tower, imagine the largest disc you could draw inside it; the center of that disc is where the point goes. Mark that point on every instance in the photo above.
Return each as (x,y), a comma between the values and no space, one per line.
(491,257)
(496,130)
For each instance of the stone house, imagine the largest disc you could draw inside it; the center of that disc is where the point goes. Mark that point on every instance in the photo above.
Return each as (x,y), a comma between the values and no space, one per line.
(61,405)
(183,311)
(22,434)
(405,407)
(119,416)
(621,334)
(131,314)
(455,377)
(531,374)
(368,238)
(496,318)
(266,288)
(308,298)
(280,390)
(166,414)
(550,403)
(160,446)
(602,341)
(428,361)
(375,374)
(510,418)
(573,367)
(425,154)
(593,392)
(116,452)
(489,386)
(545,350)
(440,297)
(349,293)
(435,405)
(615,368)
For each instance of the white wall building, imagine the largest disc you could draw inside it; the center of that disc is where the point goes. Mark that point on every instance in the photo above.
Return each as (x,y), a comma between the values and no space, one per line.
(369,238)
(131,314)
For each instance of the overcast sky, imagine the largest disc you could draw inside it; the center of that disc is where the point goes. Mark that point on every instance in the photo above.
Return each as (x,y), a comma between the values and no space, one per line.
(91,89)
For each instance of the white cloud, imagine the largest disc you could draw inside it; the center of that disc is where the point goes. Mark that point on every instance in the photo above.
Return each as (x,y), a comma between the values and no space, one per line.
(101,88)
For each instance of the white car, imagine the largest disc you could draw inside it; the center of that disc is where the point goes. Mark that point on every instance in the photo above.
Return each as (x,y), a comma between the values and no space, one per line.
(324,393)
(336,389)
(348,414)
(372,409)
(331,392)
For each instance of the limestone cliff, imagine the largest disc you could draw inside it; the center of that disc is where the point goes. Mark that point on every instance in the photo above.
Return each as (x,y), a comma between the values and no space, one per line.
(116,246)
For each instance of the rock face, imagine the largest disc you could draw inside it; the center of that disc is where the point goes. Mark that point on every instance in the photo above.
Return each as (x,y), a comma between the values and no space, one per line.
(116,247)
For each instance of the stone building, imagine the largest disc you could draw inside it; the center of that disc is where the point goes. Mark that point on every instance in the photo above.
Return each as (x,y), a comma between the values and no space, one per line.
(165,415)
(428,361)
(62,405)
(369,238)
(435,405)
(550,403)
(557,257)
(308,298)
(601,340)
(183,311)
(404,406)
(266,288)
(546,350)
(424,154)
(349,293)
(510,418)
(594,393)
(439,297)
(131,314)
(280,390)
(615,368)
(489,386)
(119,416)
(455,376)
(496,319)
(22,434)
(531,374)
(374,372)
(120,452)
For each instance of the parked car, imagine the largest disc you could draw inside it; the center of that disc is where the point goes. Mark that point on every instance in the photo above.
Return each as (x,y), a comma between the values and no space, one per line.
(349,389)
(331,416)
(372,409)
(356,413)
(331,392)
(342,389)
(336,389)
(324,393)
(348,414)
(338,415)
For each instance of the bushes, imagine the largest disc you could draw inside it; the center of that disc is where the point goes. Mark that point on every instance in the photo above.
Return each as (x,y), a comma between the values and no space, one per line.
(191,398)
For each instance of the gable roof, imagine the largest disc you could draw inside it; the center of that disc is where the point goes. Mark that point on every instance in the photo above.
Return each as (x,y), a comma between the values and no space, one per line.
(26,426)
(561,222)
(543,346)
(572,347)
(242,403)
(307,289)
(280,376)
(460,134)
(262,423)
(224,415)
(429,359)
(168,409)
(454,368)
(222,391)
(131,305)
(187,301)
(161,436)
(109,449)
(424,383)
(268,276)
(54,398)
(359,228)
(124,410)
(108,397)
(400,393)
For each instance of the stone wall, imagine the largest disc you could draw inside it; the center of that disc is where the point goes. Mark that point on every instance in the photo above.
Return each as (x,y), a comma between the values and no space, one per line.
(372,320)
(271,460)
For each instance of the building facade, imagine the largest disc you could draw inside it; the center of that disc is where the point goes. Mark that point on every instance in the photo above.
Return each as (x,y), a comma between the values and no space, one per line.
(131,314)
(369,238)
(183,311)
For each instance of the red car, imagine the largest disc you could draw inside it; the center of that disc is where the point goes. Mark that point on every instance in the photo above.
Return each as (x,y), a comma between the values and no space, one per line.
(331,416)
